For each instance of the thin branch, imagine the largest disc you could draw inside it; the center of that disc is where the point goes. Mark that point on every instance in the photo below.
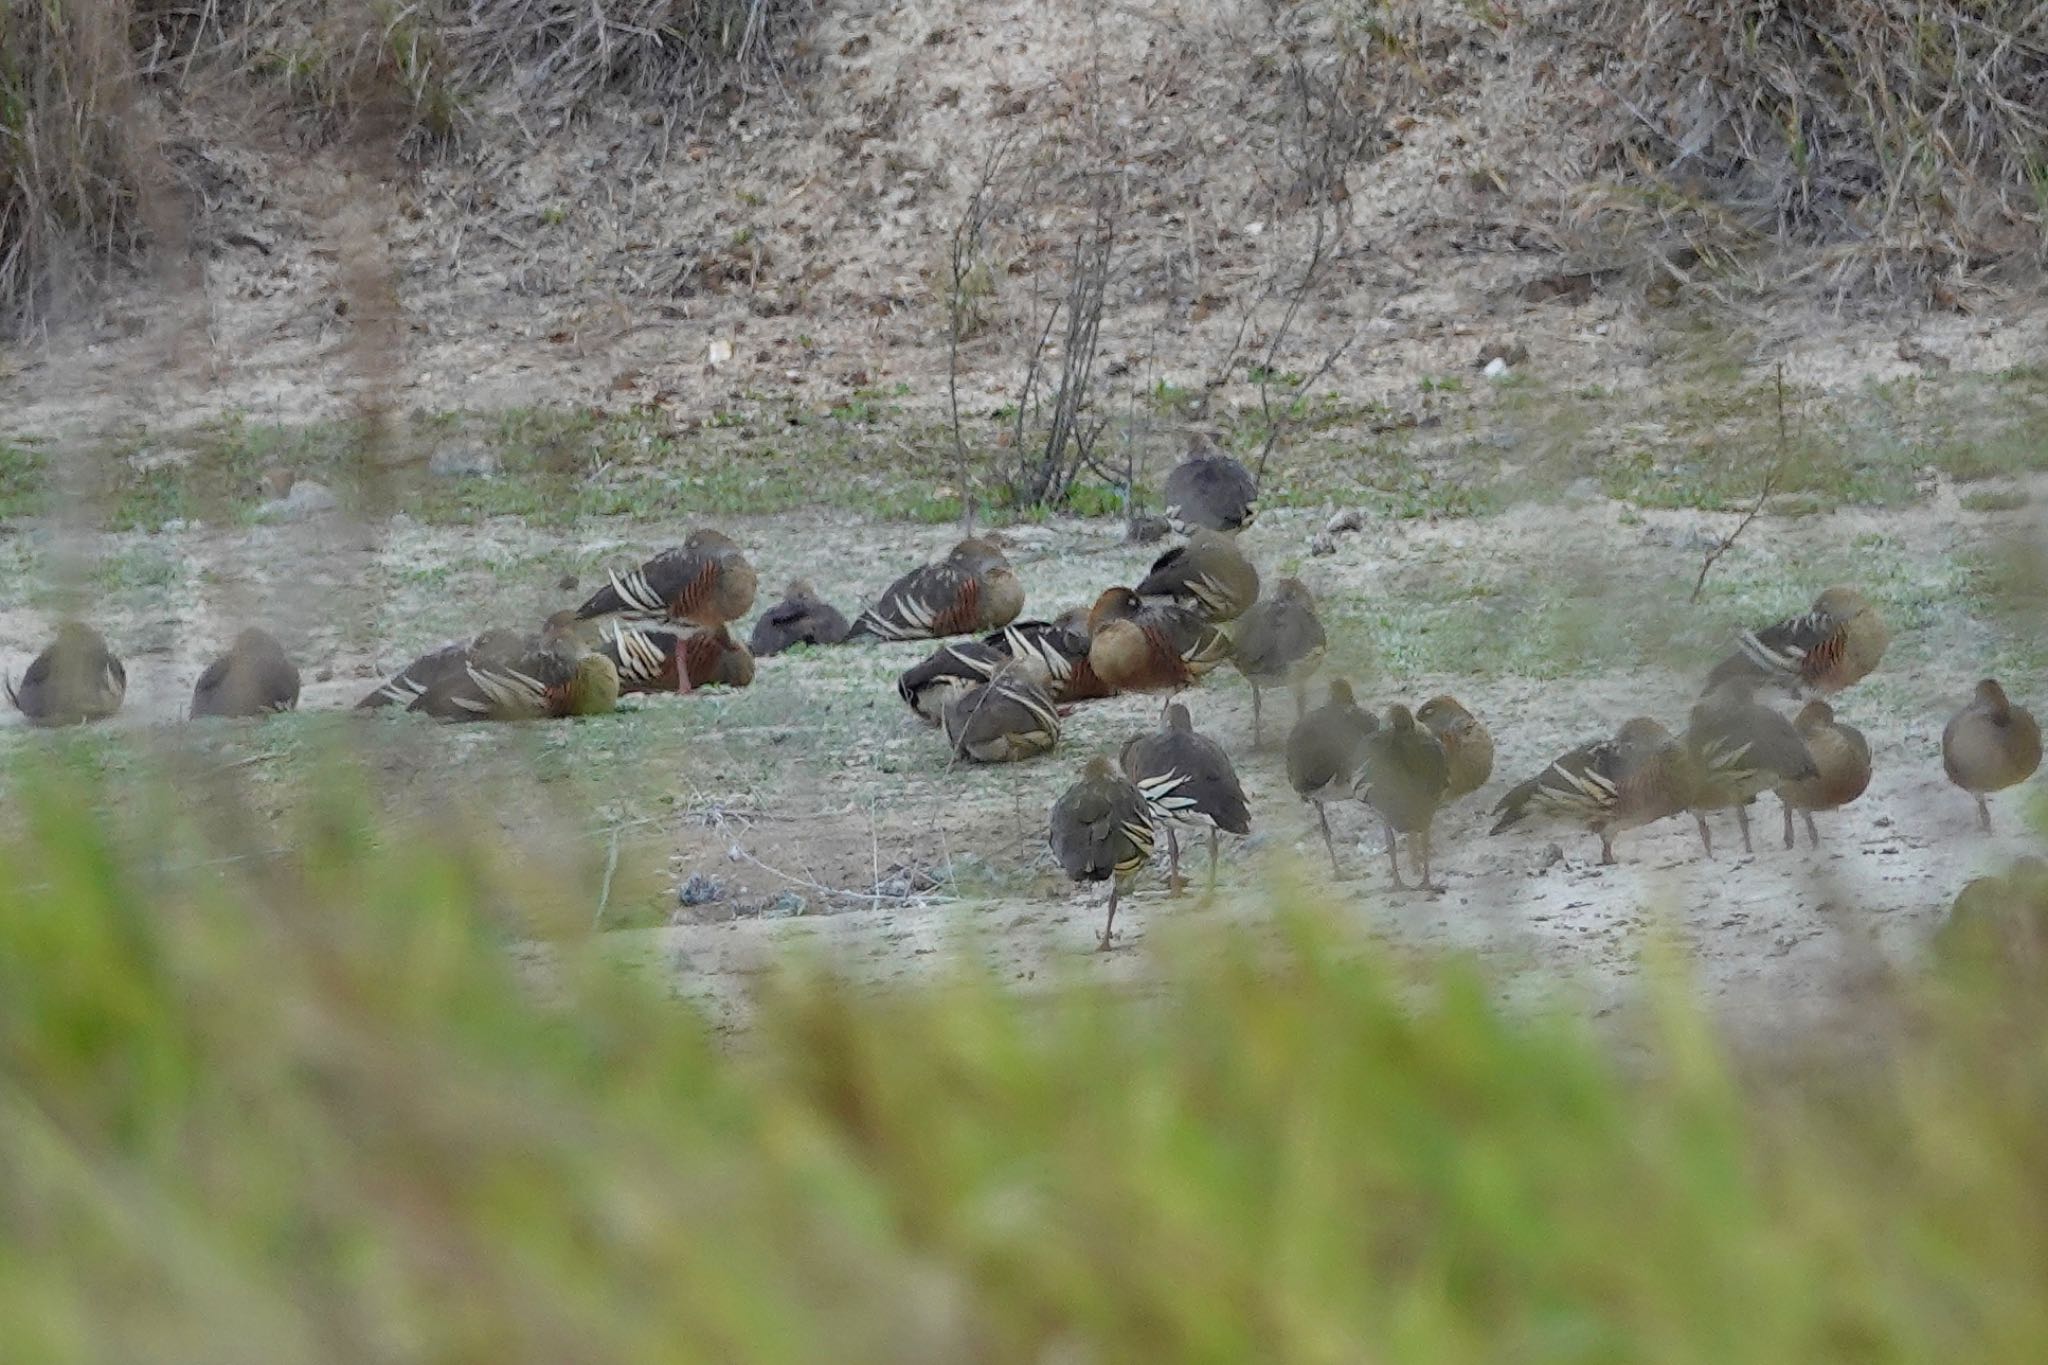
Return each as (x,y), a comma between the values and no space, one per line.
(1763,495)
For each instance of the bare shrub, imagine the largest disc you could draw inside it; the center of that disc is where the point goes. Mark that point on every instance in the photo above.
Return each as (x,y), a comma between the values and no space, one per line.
(1903,136)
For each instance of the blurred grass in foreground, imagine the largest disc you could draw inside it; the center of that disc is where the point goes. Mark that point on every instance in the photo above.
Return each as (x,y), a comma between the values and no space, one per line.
(306,1108)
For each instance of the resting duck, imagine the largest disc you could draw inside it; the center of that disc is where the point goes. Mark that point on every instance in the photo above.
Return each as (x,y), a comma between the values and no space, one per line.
(1136,646)
(1641,775)
(410,683)
(1062,646)
(1279,643)
(253,678)
(1841,757)
(76,680)
(1210,491)
(1467,745)
(549,679)
(973,589)
(1403,779)
(1989,745)
(800,618)
(668,659)
(1325,750)
(951,670)
(1009,718)
(1209,574)
(1739,749)
(705,581)
(1832,645)
(1101,830)
(1186,778)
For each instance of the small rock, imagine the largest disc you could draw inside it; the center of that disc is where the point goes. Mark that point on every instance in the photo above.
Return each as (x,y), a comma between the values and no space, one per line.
(307,499)
(1513,352)
(1496,368)
(1348,519)
(323,675)
(700,889)
(894,888)
(1323,544)
(1146,529)
(566,583)
(788,905)
(275,482)
(463,462)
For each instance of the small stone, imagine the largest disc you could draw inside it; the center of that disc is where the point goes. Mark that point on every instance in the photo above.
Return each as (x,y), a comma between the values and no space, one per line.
(463,462)
(307,499)
(1513,352)
(1496,368)
(323,675)
(1348,519)
(566,583)
(700,889)
(1553,854)
(788,905)
(1146,529)
(1323,544)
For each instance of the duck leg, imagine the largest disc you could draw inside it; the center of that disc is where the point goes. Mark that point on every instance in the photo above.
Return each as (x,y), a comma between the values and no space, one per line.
(1258,732)
(1429,884)
(1791,842)
(1812,834)
(1174,882)
(1109,923)
(1607,858)
(1212,860)
(1706,836)
(1323,819)
(1742,823)
(1983,811)
(1394,856)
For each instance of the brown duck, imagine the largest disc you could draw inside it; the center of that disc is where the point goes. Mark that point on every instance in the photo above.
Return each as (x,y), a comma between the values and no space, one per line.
(1210,491)
(1136,646)
(76,680)
(1842,759)
(1062,646)
(1739,749)
(1209,575)
(1990,745)
(1009,718)
(410,683)
(1826,648)
(1186,779)
(1403,779)
(672,659)
(1279,643)
(1641,775)
(973,589)
(1101,831)
(951,670)
(550,679)
(705,581)
(1467,745)
(800,618)
(1325,750)
(253,678)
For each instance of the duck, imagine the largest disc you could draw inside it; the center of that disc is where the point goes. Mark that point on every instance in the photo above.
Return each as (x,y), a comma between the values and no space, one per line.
(1467,744)
(1186,778)
(1009,718)
(1403,779)
(1831,646)
(670,659)
(802,617)
(954,668)
(1210,491)
(409,684)
(1136,646)
(1740,748)
(705,581)
(1101,830)
(1999,924)
(1279,643)
(1062,646)
(76,680)
(255,677)
(1842,758)
(550,679)
(1325,750)
(973,589)
(1208,574)
(1989,745)
(1640,775)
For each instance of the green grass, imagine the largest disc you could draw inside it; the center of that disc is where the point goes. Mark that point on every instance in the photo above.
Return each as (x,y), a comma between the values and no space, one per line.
(302,1106)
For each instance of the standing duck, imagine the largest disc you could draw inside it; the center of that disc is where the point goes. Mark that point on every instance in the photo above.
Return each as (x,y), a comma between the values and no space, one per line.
(1101,831)
(953,669)
(1209,574)
(76,680)
(1062,646)
(1186,778)
(1135,646)
(1739,749)
(1832,645)
(800,618)
(549,680)
(705,581)
(253,678)
(410,683)
(1641,775)
(1325,749)
(1467,745)
(1990,745)
(972,589)
(1279,643)
(1403,779)
(1210,491)
(1842,758)
(668,659)
(1008,718)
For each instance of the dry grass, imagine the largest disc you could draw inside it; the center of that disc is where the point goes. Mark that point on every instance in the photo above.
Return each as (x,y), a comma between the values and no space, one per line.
(1905,139)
